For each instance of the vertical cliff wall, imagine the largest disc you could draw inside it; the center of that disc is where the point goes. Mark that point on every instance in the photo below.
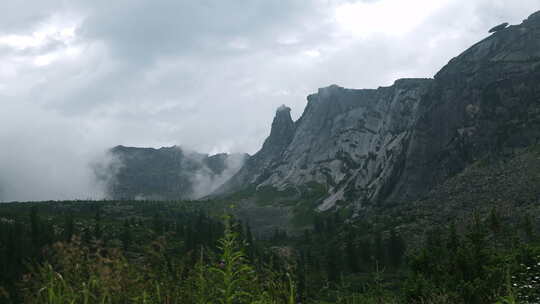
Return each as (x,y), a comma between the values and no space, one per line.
(396,143)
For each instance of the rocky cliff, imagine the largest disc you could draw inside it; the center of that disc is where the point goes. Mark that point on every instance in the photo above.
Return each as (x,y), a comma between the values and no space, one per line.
(396,143)
(167,173)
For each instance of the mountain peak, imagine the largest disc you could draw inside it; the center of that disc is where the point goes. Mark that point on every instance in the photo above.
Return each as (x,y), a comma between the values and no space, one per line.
(283,108)
(329,90)
(535,17)
(282,125)
(281,135)
(499,27)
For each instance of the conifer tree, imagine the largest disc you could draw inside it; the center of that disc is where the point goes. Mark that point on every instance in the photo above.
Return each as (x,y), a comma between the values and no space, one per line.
(453,239)
(494,221)
(332,264)
(126,235)
(249,243)
(352,255)
(97,224)
(379,248)
(366,253)
(396,248)
(527,227)
(318,224)
(68,227)
(35,228)
(158,224)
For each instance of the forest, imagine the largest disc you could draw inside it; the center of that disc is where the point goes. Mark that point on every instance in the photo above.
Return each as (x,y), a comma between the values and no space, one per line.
(193,252)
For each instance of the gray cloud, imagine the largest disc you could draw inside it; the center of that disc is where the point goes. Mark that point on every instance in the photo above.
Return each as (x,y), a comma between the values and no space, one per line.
(45,156)
(206,75)
(205,182)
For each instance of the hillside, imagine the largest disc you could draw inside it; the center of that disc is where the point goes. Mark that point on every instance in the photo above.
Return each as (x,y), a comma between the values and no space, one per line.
(508,187)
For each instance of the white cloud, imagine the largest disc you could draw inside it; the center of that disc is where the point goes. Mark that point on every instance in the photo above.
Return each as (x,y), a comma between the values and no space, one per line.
(44,60)
(389,17)
(40,37)
(312,53)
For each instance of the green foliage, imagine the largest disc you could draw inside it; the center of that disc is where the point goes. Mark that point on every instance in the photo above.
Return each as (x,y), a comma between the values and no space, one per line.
(525,281)
(471,269)
(233,273)
(150,252)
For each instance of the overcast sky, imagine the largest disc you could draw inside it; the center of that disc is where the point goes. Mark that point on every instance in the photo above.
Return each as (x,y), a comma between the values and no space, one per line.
(77,77)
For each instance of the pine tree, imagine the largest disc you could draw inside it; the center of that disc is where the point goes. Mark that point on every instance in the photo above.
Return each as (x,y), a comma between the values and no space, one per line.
(453,239)
(249,243)
(86,236)
(307,236)
(157,224)
(97,224)
(527,227)
(366,253)
(434,241)
(301,273)
(35,228)
(494,221)
(318,224)
(332,264)
(68,227)
(379,248)
(477,239)
(126,235)
(352,255)
(396,248)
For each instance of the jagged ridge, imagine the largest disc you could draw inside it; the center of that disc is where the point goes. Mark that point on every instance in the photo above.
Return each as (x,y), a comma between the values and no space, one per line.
(167,173)
(396,143)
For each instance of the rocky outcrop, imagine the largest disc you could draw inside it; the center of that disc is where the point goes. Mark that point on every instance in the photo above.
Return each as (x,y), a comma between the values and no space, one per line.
(350,140)
(167,173)
(353,141)
(499,27)
(259,165)
(396,143)
(485,101)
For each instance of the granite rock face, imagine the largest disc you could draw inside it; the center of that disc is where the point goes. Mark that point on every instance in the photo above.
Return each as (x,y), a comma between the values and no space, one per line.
(396,143)
(485,101)
(499,27)
(257,166)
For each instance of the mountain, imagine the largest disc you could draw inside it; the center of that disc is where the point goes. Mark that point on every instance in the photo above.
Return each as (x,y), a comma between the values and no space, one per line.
(167,173)
(508,186)
(360,148)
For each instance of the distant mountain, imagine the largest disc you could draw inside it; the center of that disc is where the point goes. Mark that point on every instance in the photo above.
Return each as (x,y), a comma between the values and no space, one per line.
(360,148)
(167,173)
(356,151)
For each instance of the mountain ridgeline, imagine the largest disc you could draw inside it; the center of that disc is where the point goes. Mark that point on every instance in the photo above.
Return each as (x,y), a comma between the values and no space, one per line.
(396,143)
(168,173)
(356,150)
